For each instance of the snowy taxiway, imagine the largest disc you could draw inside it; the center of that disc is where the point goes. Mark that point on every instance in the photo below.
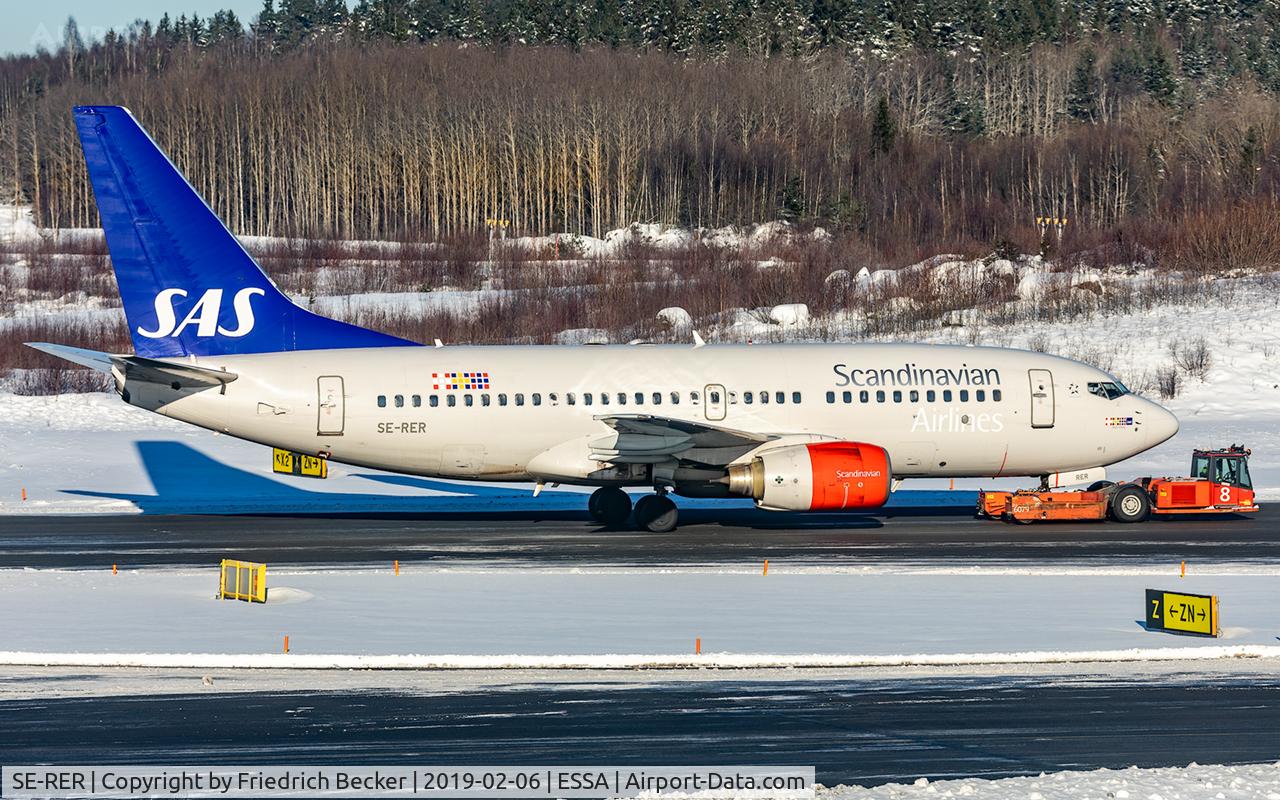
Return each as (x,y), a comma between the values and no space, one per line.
(626,617)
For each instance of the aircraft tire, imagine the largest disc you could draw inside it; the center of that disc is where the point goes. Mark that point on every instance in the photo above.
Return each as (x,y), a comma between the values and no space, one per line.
(656,514)
(1130,504)
(609,505)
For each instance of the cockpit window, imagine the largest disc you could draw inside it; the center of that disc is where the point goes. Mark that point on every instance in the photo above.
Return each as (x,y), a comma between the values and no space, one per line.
(1108,390)
(1232,471)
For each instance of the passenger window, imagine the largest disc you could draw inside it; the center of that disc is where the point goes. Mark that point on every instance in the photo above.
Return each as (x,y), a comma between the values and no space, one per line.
(964,395)
(748,397)
(536,398)
(979,395)
(897,395)
(382,401)
(764,398)
(553,398)
(604,398)
(930,396)
(693,398)
(713,396)
(847,396)
(451,399)
(468,400)
(434,401)
(781,397)
(675,398)
(995,395)
(571,399)
(914,396)
(484,400)
(864,396)
(880,395)
(399,401)
(519,398)
(831,397)
(417,401)
(622,398)
(733,398)
(795,397)
(639,398)
(946,395)
(502,399)
(586,398)
(657,398)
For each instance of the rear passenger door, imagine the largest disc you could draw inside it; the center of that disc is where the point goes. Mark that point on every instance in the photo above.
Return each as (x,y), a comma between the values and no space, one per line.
(332,407)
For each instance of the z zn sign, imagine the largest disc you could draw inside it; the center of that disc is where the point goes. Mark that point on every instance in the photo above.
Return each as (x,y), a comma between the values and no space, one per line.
(1195,614)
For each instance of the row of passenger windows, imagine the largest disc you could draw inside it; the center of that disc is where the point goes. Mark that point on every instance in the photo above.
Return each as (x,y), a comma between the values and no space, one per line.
(913,396)
(587,399)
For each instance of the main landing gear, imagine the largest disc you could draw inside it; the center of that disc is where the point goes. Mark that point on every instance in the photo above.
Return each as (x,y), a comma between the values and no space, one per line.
(611,506)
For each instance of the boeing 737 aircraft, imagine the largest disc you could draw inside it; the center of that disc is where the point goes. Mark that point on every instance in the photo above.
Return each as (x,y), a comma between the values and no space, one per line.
(800,427)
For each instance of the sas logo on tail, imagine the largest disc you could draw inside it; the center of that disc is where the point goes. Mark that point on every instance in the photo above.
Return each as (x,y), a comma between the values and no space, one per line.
(203,315)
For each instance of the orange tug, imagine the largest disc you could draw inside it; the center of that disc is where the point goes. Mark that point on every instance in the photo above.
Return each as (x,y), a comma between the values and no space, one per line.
(1219,484)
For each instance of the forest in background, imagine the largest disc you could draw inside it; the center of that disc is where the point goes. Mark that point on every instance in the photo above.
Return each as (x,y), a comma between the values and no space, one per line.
(905,128)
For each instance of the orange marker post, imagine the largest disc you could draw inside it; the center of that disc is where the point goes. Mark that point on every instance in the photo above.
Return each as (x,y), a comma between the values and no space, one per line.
(766,566)
(286,643)
(24,494)
(1184,570)
(397,562)
(697,646)
(113,569)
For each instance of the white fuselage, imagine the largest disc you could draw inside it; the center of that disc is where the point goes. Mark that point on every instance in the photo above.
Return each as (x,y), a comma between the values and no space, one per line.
(945,410)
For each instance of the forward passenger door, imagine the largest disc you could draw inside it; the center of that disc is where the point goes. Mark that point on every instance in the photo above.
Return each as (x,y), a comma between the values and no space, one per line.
(1042,408)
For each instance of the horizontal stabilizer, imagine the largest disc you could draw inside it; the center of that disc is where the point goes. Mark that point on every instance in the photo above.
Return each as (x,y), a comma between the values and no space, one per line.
(137,368)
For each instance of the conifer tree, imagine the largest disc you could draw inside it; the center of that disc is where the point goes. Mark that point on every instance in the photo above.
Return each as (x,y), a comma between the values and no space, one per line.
(883,127)
(1084,93)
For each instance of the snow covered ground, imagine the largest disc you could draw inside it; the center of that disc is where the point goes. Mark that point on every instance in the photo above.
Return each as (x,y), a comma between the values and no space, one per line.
(1193,782)
(624,618)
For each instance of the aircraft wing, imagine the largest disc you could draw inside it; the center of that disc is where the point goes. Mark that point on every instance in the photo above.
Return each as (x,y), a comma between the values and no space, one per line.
(648,439)
(137,368)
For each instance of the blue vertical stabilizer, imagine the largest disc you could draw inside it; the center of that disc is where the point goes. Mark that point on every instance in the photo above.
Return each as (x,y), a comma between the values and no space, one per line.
(188,286)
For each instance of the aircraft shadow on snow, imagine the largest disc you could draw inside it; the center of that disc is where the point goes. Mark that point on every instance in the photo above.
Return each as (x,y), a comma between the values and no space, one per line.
(188,481)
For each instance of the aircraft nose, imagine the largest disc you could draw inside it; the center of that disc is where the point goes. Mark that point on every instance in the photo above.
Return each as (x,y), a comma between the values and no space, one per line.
(1161,425)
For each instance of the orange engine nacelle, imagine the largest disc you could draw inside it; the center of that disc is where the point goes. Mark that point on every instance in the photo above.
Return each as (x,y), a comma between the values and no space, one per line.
(826,476)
